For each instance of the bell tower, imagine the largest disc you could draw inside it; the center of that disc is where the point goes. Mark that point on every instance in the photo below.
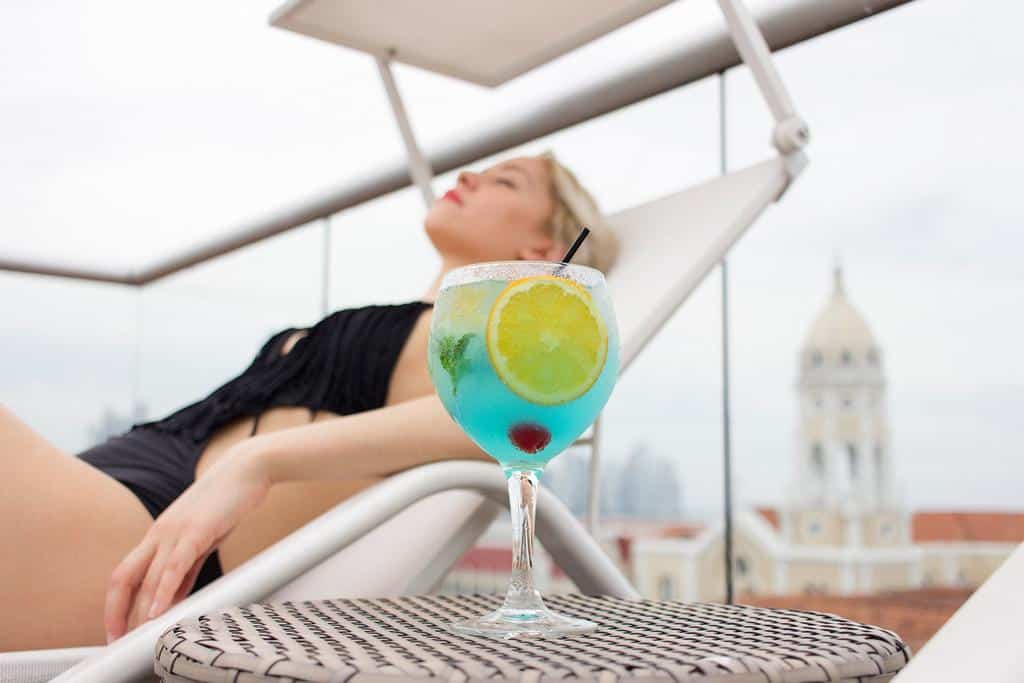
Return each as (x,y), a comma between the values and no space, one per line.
(843,453)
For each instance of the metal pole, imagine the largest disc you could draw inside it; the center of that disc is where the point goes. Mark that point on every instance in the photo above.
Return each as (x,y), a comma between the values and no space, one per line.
(726,418)
(325,279)
(137,356)
(754,51)
(791,132)
(419,169)
(594,484)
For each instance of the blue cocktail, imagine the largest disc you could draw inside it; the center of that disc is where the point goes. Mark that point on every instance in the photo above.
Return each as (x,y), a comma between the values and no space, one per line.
(524,355)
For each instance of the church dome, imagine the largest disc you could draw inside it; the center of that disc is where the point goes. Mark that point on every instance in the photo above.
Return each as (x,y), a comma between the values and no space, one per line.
(840,329)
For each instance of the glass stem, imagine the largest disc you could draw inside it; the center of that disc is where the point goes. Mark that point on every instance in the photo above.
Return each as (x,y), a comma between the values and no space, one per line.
(522,495)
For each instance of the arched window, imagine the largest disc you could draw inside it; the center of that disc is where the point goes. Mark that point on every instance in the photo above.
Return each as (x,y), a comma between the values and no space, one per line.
(879,466)
(846,358)
(818,461)
(851,453)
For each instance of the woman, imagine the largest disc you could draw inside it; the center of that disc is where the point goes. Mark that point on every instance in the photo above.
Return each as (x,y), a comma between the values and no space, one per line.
(117,535)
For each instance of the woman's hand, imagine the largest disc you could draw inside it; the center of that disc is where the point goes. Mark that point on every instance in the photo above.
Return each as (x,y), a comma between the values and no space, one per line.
(161,570)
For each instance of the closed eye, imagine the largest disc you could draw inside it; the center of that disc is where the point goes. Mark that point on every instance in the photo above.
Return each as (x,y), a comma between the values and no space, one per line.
(506,181)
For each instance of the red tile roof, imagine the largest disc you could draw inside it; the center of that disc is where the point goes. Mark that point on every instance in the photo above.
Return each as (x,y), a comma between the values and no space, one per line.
(483,558)
(951,526)
(771,515)
(680,530)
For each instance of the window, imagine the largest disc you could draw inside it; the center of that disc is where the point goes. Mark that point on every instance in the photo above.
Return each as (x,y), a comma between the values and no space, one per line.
(879,467)
(872,357)
(742,565)
(666,587)
(818,461)
(819,402)
(847,401)
(846,358)
(814,528)
(816,359)
(851,453)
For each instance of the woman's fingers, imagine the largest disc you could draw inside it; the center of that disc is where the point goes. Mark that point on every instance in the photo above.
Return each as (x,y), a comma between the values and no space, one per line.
(123,584)
(144,598)
(185,557)
(190,580)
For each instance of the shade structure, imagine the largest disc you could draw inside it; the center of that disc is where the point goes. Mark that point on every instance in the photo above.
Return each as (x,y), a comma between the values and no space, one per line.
(486,42)
(95,246)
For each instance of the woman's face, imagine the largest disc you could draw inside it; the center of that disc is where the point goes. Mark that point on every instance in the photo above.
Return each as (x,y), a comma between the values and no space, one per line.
(497,215)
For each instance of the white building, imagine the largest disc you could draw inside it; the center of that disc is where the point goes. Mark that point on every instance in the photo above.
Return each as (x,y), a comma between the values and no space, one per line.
(841,529)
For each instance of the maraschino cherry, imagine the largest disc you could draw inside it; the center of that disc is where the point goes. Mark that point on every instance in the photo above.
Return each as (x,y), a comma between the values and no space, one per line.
(529,437)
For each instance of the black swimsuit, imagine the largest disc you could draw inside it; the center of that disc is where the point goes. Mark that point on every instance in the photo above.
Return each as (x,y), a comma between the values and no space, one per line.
(343,364)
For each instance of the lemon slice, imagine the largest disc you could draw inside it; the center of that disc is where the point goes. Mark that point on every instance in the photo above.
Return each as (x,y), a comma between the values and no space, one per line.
(546,339)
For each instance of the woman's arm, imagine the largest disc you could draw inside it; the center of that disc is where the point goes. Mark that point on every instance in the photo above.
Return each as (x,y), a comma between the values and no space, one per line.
(163,568)
(377,442)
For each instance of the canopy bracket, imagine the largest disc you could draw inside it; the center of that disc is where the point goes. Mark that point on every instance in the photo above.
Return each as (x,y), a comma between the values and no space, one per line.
(419,169)
(791,133)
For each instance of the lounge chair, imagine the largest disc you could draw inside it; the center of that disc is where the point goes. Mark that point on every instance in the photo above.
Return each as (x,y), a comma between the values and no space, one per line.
(669,246)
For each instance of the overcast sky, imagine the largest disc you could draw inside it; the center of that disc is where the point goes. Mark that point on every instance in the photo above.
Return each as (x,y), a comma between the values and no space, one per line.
(133,130)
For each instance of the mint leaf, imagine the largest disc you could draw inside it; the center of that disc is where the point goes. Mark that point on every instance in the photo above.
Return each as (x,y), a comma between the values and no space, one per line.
(452,353)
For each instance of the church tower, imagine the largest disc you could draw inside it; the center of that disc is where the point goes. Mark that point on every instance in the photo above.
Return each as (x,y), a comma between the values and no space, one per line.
(844,459)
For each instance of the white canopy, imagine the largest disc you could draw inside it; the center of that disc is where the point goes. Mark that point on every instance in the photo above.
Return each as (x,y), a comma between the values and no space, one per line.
(482,41)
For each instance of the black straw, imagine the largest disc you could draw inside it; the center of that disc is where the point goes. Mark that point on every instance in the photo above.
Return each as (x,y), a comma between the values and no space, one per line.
(575,245)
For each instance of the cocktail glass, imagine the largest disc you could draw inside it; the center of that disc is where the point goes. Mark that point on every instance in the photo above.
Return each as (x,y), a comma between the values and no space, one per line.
(524,355)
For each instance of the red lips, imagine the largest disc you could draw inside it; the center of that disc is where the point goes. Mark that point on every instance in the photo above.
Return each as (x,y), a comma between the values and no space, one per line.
(454,196)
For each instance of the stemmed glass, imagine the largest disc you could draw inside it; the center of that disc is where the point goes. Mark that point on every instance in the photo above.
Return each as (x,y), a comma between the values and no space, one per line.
(524,355)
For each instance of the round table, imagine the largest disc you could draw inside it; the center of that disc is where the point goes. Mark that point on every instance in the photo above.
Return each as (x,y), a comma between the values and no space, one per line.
(382,640)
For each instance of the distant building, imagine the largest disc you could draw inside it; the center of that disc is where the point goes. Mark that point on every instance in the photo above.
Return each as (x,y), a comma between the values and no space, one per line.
(840,531)
(567,476)
(111,422)
(645,486)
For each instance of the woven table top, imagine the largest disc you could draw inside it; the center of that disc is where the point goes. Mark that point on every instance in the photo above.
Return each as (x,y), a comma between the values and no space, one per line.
(384,640)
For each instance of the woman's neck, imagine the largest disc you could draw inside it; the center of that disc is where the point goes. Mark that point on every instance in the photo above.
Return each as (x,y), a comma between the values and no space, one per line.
(435,286)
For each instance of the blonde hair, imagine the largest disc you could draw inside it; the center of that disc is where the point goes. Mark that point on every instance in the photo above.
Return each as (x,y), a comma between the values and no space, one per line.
(574,209)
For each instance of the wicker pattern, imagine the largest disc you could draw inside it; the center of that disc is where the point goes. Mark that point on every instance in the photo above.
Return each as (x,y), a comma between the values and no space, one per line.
(377,641)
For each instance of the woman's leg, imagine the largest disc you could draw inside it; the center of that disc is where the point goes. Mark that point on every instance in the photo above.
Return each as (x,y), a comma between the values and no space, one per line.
(64,526)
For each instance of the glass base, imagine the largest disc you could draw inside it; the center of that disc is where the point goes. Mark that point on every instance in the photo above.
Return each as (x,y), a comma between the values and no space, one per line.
(522,623)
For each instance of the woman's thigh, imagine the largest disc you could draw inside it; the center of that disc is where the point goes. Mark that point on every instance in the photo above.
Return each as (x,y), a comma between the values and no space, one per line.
(64,526)
(288,506)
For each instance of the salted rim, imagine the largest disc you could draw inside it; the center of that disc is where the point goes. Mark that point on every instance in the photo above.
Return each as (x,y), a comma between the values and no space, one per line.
(515,270)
